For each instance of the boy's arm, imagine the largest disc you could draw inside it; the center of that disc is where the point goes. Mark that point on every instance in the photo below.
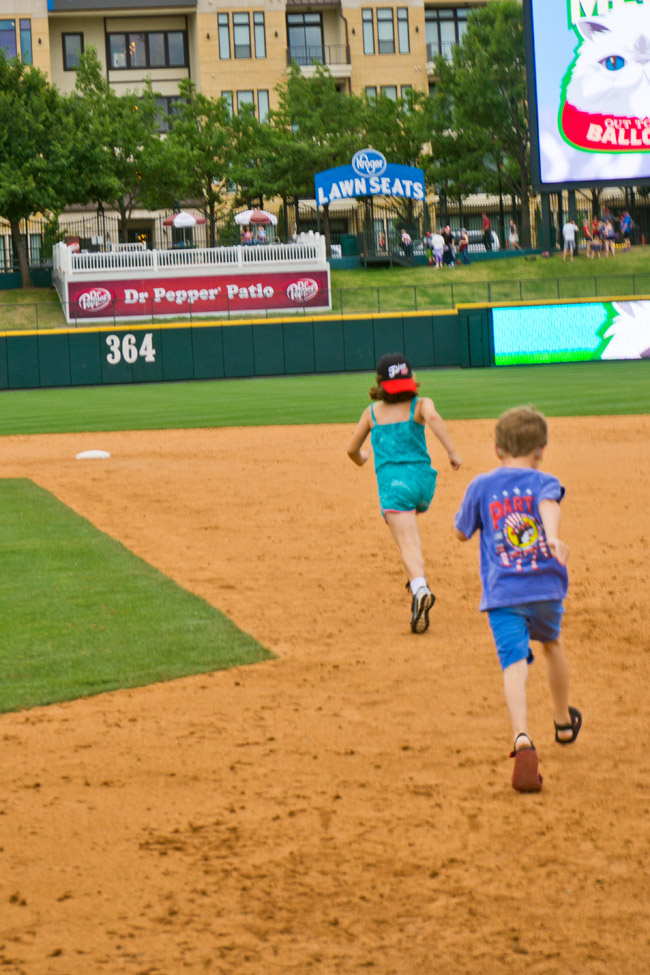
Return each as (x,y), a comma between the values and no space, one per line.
(355,453)
(550,514)
(436,424)
(461,536)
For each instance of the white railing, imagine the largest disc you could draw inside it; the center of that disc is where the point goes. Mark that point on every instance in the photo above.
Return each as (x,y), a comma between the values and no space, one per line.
(137,246)
(300,252)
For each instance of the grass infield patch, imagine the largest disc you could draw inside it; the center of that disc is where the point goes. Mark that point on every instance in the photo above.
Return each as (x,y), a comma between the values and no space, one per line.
(83,615)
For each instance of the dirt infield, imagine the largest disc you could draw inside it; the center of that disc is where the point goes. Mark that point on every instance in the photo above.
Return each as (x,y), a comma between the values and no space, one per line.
(346,808)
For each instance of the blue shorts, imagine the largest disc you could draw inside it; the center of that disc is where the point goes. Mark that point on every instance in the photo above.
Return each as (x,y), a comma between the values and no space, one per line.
(513,627)
(406,487)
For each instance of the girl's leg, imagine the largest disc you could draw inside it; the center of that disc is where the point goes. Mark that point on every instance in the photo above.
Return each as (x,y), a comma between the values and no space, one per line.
(557,670)
(404,529)
(514,686)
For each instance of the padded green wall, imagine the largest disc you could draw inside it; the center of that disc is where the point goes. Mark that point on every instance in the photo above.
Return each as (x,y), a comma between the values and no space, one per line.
(260,348)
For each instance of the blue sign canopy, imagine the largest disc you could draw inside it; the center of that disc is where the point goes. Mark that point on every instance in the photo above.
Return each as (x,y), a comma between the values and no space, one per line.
(369,175)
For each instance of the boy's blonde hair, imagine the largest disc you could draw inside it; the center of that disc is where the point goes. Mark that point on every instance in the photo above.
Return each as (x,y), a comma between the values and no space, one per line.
(520,431)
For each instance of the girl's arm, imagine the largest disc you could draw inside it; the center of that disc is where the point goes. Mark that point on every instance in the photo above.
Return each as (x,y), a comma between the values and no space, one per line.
(355,453)
(550,514)
(435,423)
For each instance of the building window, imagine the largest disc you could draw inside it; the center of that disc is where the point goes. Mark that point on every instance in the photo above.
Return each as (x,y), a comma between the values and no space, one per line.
(224,37)
(403,30)
(176,49)
(228,99)
(444,29)
(260,35)
(371,91)
(73,48)
(389,91)
(406,88)
(8,38)
(368,32)
(137,51)
(305,36)
(26,41)
(155,49)
(245,98)
(166,110)
(385,31)
(241,35)
(263,105)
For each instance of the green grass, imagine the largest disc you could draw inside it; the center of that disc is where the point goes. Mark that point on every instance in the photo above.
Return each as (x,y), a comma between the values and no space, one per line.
(567,389)
(82,615)
(408,289)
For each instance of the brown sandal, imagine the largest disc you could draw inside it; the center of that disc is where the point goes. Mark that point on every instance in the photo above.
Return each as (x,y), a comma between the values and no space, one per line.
(525,775)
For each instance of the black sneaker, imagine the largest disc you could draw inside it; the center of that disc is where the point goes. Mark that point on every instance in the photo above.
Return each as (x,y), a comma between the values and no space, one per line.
(420,606)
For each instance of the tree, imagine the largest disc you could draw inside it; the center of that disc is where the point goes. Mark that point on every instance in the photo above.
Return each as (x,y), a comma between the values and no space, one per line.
(193,161)
(116,140)
(34,154)
(401,130)
(485,84)
(317,127)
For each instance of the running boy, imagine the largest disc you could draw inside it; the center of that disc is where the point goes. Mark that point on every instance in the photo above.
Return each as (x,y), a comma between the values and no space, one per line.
(524,577)
(406,481)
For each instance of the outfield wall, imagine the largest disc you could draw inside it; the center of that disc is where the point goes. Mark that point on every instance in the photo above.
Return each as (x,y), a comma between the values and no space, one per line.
(469,337)
(273,347)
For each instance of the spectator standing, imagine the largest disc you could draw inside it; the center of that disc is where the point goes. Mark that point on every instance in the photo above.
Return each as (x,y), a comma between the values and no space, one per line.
(407,244)
(513,237)
(463,246)
(609,235)
(449,253)
(569,234)
(626,228)
(487,232)
(586,230)
(438,247)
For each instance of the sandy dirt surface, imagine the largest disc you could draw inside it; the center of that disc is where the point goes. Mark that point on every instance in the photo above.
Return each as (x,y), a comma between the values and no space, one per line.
(347,807)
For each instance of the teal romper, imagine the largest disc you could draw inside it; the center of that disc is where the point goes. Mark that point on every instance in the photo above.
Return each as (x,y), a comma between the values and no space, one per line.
(405,477)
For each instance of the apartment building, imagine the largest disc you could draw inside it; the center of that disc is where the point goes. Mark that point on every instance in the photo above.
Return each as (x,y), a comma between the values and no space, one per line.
(240,49)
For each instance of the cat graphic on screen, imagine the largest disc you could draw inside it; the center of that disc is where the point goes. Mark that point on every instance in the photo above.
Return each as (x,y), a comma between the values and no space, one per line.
(629,332)
(611,74)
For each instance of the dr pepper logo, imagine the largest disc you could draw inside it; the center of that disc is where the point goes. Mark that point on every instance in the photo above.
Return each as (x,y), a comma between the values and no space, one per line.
(303,290)
(94,300)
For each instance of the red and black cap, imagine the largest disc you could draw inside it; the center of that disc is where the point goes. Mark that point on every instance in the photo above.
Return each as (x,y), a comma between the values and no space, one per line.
(394,372)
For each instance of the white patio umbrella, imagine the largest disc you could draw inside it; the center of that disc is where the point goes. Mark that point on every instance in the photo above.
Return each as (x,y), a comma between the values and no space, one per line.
(247,217)
(183,219)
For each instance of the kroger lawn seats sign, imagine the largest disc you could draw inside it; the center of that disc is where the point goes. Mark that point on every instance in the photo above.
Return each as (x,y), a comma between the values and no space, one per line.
(589,90)
(369,175)
(569,333)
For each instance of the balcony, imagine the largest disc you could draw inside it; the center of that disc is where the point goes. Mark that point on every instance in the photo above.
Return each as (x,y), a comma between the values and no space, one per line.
(74,6)
(331,55)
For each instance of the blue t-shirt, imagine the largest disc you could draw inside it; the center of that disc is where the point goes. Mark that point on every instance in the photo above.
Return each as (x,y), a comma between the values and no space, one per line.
(516,565)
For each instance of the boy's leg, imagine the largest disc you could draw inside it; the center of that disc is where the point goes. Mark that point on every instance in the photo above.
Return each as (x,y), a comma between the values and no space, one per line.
(557,669)
(514,686)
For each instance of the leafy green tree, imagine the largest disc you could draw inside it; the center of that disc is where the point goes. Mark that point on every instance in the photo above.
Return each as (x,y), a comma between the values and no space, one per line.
(316,127)
(485,86)
(116,140)
(193,162)
(34,150)
(401,130)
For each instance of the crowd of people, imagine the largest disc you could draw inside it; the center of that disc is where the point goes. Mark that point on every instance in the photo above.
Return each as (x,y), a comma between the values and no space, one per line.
(447,248)
(441,247)
(601,234)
